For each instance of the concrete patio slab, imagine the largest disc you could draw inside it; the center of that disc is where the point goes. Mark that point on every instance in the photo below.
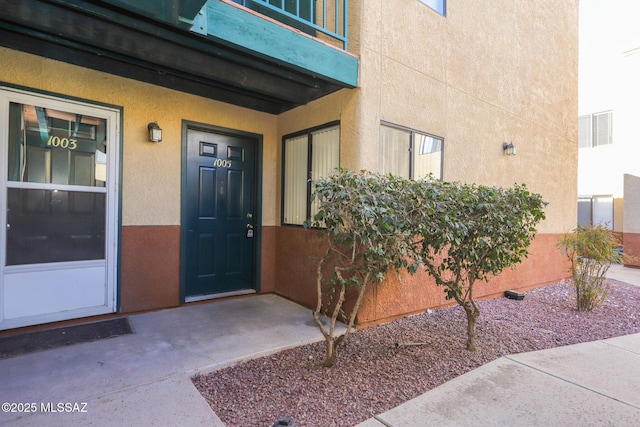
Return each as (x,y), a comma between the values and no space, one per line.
(158,403)
(143,378)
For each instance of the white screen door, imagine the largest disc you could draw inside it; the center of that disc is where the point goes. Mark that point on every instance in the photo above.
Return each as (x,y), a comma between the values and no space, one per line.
(58,231)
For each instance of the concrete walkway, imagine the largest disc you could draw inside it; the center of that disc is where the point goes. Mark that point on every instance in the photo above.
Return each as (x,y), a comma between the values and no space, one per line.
(624,274)
(142,379)
(590,384)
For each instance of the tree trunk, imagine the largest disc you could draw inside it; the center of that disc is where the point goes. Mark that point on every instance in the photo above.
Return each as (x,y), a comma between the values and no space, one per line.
(473,312)
(331,355)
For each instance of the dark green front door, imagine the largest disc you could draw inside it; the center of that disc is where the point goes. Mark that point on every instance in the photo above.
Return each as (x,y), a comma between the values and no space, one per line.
(218,222)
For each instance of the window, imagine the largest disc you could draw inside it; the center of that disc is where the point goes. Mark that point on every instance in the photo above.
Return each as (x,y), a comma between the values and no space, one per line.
(314,154)
(596,210)
(602,129)
(56,200)
(437,5)
(409,154)
(595,130)
(584,131)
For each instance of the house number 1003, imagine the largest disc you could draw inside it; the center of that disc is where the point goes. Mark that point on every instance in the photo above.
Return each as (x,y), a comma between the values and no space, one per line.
(222,163)
(55,141)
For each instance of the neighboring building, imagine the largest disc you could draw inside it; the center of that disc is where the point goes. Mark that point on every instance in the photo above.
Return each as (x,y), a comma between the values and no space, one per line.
(100,220)
(609,103)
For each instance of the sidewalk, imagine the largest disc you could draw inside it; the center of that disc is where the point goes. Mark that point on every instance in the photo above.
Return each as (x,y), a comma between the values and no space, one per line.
(624,274)
(143,379)
(589,384)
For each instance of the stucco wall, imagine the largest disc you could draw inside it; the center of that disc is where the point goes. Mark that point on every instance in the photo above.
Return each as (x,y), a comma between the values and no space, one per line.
(631,236)
(631,204)
(618,215)
(151,172)
(483,75)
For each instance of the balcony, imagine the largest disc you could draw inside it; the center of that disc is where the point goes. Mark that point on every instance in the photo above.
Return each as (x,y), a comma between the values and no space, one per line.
(266,55)
(324,19)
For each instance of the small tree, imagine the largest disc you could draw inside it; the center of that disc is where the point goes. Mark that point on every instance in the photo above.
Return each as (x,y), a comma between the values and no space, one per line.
(376,224)
(358,214)
(590,250)
(468,233)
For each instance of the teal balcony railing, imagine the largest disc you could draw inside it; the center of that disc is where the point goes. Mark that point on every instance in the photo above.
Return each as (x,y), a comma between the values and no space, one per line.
(326,19)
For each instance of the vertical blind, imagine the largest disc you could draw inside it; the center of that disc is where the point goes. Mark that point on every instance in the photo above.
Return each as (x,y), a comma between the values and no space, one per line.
(584,131)
(325,155)
(602,129)
(313,155)
(394,151)
(295,180)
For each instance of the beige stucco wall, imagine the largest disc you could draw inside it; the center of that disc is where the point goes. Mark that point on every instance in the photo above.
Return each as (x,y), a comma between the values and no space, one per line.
(151,172)
(631,204)
(618,215)
(483,75)
(341,106)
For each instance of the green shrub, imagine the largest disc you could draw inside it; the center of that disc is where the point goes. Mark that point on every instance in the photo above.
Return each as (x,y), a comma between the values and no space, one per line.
(591,250)
(360,215)
(378,224)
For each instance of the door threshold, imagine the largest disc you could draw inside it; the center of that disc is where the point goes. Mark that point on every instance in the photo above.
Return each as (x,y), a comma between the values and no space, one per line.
(221,295)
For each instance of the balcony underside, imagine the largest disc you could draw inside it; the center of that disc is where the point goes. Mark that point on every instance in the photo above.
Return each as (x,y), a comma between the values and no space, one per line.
(271,75)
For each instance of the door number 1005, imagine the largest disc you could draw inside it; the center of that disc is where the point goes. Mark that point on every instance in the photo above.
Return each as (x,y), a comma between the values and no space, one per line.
(55,141)
(222,163)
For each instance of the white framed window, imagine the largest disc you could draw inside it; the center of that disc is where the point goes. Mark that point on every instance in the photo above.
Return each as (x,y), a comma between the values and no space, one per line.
(409,153)
(307,155)
(602,128)
(596,210)
(595,129)
(584,131)
(439,6)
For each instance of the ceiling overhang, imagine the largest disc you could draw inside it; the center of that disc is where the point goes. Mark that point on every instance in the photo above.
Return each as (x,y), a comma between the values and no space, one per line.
(225,62)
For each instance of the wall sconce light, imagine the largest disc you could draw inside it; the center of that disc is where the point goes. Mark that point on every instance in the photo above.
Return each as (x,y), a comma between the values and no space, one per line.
(509,149)
(155,133)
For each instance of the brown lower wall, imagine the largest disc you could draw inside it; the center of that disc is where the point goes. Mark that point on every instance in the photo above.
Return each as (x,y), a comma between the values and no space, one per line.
(150,272)
(268,260)
(150,267)
(296,273)
(631,244)
(413,294)
(396,298)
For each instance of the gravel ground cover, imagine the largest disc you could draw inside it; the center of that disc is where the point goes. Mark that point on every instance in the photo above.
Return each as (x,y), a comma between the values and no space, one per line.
(373,374)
